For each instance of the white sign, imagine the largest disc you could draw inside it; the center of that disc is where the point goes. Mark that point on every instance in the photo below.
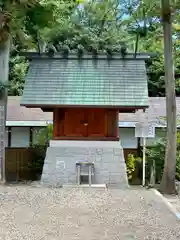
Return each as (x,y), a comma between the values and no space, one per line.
(144,130)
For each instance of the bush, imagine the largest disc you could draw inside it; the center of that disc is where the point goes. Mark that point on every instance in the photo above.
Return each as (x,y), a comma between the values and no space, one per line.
(42,140)
(36,166)
(134,169)
(130,164)
(44,135)
(157,153)
(154,155)
(178,166)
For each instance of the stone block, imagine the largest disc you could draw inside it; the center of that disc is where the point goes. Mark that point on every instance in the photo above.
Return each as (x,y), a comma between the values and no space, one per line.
(117,151)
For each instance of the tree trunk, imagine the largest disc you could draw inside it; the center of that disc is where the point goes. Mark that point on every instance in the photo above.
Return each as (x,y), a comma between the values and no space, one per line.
(168,180)
(4,72)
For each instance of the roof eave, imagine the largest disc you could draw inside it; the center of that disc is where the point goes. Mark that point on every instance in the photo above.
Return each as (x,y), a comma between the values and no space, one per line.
(124,109)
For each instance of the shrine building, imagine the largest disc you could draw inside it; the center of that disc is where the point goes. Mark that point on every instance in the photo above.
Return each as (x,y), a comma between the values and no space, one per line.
(86,94)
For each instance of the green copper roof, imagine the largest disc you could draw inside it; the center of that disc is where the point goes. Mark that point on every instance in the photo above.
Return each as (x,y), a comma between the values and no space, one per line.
(99,82)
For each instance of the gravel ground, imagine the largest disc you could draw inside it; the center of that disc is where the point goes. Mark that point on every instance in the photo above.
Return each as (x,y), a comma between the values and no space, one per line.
(31,213)
(175,202)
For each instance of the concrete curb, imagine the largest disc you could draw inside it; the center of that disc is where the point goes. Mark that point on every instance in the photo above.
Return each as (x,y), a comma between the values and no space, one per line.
(86,186)
(167,203)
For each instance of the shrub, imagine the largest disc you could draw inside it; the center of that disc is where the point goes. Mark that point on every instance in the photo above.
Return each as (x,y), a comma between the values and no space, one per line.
(42,140)
(157,153)
(44,135)
(130,164)
(178,166)
(134,169)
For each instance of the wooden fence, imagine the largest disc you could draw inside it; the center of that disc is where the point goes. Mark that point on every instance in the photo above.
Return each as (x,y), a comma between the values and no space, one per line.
(18,161)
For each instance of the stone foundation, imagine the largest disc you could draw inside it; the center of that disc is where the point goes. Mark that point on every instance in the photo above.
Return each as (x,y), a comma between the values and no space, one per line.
(61,157)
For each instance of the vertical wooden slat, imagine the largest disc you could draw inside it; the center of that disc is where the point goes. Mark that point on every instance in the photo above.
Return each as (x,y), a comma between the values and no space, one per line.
(106,124)
(55,122)
(17,164)
(117,123)
(61,122)
(112,122)
(9,136)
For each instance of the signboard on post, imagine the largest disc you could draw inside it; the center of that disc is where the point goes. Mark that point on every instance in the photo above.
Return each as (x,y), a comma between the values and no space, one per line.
(144,130)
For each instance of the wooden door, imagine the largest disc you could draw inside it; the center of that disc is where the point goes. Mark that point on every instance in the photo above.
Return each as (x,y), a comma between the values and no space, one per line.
(75,123)
(96,123)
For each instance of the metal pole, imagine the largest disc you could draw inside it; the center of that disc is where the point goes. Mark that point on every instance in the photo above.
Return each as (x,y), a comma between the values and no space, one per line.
(144,161)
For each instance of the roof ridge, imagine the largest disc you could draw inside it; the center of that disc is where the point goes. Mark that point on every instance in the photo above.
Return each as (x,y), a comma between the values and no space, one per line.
(87,55)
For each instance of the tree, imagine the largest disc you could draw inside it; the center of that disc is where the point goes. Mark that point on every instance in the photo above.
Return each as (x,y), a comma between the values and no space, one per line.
(37,24)
(168,180)
(96,25)
(145,11)
(99,25)
(145,25)
(13,18)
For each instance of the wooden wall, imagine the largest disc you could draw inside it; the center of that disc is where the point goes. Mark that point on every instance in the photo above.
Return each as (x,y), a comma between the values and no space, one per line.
(86,124)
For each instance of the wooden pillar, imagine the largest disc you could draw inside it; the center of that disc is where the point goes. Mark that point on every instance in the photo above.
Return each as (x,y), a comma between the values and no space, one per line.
(55,123)
(112,123)
(117,122)
(58,123)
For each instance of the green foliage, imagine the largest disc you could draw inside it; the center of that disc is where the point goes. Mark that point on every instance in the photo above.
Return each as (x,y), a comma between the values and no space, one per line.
(157,153)
(178,166)
(36,166)
(130,164)
(144,22)
(42,140)
(17,70)
(88,25)
(134,169)
(94,26)
(44,135)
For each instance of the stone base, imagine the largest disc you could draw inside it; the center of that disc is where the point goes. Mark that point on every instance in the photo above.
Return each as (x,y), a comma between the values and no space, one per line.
(61,157)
